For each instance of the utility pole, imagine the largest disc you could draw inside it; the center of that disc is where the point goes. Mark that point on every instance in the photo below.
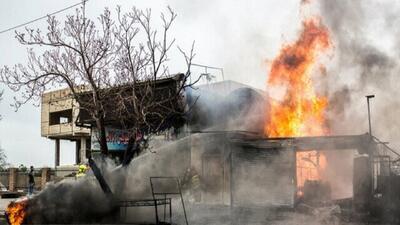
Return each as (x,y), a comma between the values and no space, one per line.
(370,158)
(369,113)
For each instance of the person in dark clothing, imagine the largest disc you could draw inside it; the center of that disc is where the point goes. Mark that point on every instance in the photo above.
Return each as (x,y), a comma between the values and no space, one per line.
(31,181)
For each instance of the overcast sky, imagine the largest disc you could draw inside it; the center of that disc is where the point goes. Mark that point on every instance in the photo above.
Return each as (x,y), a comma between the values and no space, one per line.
(240,36)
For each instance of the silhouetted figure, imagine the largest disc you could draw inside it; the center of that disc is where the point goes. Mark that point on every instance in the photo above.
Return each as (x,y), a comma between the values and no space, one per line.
(31,181)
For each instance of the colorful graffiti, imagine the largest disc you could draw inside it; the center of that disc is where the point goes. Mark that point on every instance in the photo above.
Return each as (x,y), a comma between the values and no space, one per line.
(117,140)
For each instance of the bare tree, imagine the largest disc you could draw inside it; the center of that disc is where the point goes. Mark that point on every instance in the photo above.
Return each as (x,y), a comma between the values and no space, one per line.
(122,60)
(3,157)
(144,106)
(77,55)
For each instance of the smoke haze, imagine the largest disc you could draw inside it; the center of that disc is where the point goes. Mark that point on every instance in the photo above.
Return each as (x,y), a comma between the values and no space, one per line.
(365,62)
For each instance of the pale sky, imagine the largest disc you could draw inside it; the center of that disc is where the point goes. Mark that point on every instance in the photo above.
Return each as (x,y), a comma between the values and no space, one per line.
(240,36)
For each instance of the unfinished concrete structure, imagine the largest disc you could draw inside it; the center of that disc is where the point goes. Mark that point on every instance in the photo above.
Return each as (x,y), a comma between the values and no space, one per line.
(58,116)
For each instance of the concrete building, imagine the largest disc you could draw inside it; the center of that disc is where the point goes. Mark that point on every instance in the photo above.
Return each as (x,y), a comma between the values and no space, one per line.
(58,115)
(61,118)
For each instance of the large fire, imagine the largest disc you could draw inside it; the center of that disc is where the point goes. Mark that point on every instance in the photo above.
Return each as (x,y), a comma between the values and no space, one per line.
(16,211)
(300,111)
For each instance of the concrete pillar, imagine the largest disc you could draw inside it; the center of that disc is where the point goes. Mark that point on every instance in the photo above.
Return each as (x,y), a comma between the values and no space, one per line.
(77,152)
(45,177)
(12,179)
(57,153)
(82,153)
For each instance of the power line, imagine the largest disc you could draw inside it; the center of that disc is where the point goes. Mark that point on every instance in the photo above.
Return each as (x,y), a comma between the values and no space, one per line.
(43,17)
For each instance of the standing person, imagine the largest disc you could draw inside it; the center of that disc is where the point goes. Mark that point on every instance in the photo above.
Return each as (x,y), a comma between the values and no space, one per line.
(31,181)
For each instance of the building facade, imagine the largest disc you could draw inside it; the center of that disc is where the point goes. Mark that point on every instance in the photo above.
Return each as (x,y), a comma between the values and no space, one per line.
(59,111)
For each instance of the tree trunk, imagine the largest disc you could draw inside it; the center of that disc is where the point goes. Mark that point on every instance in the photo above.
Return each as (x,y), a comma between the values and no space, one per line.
(102,135)
(129,151)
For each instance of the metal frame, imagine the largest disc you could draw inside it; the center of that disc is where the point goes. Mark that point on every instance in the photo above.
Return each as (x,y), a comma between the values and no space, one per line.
(165,194)
(147,203)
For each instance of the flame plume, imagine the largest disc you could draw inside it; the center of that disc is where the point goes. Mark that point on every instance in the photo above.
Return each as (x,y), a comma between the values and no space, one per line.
(300,112)
(16,212)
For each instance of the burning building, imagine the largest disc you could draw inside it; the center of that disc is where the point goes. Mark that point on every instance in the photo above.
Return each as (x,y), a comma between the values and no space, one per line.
(251,152)
(245,151)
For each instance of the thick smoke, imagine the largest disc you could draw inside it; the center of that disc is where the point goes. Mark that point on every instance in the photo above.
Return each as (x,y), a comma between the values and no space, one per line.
(69,201)
(82,200)
(362,65)
(366,62)
(227,106)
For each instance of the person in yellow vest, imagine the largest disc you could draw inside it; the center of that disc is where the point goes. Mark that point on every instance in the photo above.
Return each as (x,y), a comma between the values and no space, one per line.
(191,181)
(81,171)
(196,185)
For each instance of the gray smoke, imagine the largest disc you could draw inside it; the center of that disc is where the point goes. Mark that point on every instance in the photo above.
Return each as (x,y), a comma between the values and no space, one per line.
(363,65)
(83,201)
(69,201)
(366,40)
(227,106)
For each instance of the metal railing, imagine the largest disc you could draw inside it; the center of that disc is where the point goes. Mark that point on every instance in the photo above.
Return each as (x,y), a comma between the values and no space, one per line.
(175,189)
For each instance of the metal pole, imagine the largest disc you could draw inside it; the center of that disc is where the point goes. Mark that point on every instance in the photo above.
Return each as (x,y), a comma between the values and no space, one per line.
(57,153)
(369,117)
(183,203)
(369,113)
(370,159)
(155,200)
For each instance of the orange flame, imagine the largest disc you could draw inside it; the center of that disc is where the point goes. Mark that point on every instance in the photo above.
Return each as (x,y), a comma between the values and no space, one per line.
(300,112)
(16,211)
